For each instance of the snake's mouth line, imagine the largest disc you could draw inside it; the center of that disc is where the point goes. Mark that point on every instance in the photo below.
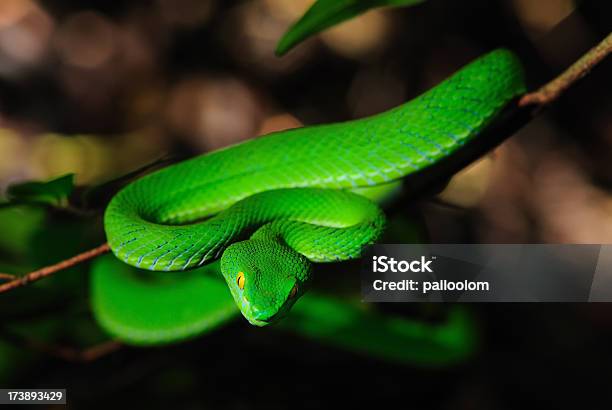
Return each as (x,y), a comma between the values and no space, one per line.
(261,322)
(264,321)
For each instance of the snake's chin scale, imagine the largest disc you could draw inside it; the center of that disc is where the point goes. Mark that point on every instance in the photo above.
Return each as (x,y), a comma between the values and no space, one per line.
(258,323)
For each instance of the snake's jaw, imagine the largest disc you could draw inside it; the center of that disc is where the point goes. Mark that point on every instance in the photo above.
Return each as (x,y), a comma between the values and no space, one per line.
(265,278)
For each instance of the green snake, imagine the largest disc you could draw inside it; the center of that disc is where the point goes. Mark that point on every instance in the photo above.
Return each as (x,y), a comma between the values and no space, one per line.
(271,206)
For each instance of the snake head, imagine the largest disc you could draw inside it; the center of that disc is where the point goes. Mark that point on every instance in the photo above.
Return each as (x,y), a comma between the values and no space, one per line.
(265,278)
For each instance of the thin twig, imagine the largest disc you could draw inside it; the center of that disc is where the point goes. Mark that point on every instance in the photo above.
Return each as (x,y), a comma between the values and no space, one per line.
(436,200)
(50,270)
(67,353)
(553,89)
(95,352)
(7,276)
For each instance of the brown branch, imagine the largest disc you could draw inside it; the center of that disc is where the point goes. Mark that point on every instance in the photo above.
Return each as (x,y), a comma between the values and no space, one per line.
(553,89)
(95,352)
(50,270)
(7,276)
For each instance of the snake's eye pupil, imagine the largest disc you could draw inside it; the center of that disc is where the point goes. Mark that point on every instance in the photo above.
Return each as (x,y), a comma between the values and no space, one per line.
(294,291)
(240,280)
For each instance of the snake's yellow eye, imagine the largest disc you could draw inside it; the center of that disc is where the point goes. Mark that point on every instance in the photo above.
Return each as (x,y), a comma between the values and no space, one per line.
(293,292)
(240,280)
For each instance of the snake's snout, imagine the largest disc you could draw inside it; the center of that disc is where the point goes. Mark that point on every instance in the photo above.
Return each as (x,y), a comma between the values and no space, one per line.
(265,317)
(260,320)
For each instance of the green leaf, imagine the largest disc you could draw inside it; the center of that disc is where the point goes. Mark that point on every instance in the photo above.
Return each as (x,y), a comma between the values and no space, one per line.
(150,308)
(53,192)
(327,13)
(22,221)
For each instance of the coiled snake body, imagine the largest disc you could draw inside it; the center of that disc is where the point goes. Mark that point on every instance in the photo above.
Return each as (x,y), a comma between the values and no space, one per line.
(276,203)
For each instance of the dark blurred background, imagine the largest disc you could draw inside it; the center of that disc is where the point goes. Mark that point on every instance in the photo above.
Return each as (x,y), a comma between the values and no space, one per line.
(102,88)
